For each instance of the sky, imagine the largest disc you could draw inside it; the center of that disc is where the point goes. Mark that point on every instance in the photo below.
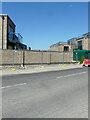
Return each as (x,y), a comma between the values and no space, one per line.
(45,23)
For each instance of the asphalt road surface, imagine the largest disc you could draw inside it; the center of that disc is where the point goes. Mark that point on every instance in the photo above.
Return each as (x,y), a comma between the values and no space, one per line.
(59,94)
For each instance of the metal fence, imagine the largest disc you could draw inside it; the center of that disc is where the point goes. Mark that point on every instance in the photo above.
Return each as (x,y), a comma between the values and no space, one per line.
(19,57)
(78,54)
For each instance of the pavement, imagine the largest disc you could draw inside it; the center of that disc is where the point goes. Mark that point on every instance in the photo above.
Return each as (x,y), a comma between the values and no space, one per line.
(53,94)
(37,68)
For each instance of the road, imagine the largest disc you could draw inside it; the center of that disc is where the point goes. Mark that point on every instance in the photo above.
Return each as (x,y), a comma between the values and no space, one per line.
(59,94)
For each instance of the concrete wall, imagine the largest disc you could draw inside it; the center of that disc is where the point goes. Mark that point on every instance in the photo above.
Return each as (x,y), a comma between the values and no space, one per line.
(3,32)
(0,32)
(61,48)
(56,48)
(18,57)
(85,43)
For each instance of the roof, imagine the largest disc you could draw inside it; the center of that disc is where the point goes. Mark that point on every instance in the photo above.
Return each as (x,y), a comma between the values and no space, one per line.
(81,50)
(79,38)
(58,44)
(8,18)
(3,15)
(72,39)
(86,33)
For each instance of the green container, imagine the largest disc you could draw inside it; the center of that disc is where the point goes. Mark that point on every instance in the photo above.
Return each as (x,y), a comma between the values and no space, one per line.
(79,54)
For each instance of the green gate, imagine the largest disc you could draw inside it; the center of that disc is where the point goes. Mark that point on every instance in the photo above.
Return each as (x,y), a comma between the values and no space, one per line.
(78,54)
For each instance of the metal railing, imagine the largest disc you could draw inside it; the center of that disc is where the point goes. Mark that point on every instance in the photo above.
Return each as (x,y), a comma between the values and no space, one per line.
(25,57)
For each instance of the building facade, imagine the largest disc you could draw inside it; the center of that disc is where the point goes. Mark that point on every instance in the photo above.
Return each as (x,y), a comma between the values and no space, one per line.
(72,41)
(62,47)
(7,28)
(83,43)
(58,44)
(8,38)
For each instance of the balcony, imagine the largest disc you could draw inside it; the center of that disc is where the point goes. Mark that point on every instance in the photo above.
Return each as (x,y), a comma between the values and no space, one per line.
(15,38)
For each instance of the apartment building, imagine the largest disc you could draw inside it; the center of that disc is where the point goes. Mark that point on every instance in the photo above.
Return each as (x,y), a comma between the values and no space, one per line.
(8,38)
(72,41)
(83,43)
(62,47)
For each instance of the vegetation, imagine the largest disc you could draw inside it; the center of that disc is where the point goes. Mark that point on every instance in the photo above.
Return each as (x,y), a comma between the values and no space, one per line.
(82,59)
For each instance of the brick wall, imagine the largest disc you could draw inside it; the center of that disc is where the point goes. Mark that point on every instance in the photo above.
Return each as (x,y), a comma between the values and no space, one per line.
(32,57)
(18,57)
(11,57)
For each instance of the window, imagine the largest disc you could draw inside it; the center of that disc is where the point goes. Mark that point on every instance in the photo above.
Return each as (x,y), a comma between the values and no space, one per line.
(68,42)
(10,33)
(66,48)
(80,45)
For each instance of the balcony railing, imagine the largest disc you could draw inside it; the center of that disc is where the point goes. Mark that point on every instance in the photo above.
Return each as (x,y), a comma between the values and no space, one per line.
(15,38)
